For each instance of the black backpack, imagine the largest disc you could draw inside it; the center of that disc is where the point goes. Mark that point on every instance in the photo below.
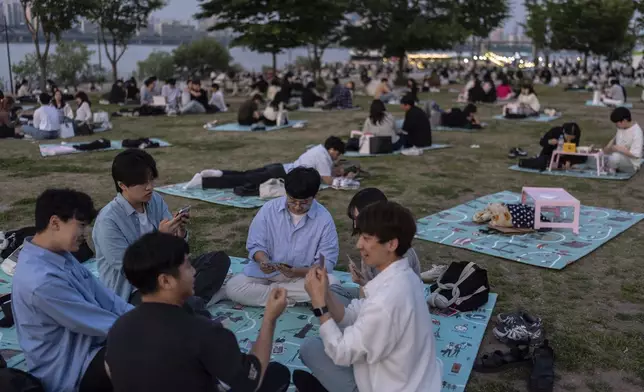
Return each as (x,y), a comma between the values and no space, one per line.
(463,286)
(14,380)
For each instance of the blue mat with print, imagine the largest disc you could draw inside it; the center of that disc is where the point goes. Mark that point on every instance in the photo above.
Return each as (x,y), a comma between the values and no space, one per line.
(440,128)
(603,105)
(235,127)
(582,172)
(553,249)
(47,150)
(458,336)
(224,197)
(542,118)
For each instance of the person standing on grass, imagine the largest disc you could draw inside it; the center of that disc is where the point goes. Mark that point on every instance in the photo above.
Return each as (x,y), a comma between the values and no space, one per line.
(160,346)
(285,239)
(383,342)
(624,152)
(137,210)
(46,122)
(416,125)
(62,312)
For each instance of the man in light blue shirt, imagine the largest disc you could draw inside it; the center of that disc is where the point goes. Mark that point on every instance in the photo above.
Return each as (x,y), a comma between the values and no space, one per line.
(137,210)
(62,312)
(287,236)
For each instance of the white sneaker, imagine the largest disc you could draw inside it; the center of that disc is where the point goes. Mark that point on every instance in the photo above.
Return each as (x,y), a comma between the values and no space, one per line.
(433,273)
(412,152)
(212,173)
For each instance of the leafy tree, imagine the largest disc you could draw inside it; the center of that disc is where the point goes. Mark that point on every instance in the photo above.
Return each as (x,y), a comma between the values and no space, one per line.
(398,26)
(202,57)
(538,25)
(480,17)
(69,61)
(94,73)
(602,27)
(159,64)
(258,24)
(118,21)
(47,20)
(28,68)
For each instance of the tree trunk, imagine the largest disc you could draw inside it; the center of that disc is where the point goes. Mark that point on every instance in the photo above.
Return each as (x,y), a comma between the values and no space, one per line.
(42,62)
(274,63)
(400,78)
(585,62)
(115,73)
(547,58)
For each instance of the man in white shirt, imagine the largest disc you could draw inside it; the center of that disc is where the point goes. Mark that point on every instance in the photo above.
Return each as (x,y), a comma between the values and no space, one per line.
(384,342)
(217,99)
(171,94)
(321,158)
(46,123)
(624,152)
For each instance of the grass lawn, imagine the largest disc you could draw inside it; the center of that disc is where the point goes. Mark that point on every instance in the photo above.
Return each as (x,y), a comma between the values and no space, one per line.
(593,310)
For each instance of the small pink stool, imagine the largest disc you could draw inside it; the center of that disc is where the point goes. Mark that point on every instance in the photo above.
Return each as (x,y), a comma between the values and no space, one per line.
(549,198)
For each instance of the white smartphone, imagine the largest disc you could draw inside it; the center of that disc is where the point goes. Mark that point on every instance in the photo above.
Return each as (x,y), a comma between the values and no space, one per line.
(184,210)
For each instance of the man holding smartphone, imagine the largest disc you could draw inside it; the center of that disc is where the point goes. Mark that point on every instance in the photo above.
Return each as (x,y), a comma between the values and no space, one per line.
(287,237)
(137,210)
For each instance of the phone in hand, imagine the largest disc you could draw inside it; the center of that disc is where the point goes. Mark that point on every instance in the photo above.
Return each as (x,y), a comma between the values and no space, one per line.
(284,265)
(184,210)
(321,261)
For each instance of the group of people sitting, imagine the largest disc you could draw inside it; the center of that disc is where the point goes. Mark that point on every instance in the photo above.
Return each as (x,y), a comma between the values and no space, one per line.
(143,324)
(47,120)
(171,100)
(622,154)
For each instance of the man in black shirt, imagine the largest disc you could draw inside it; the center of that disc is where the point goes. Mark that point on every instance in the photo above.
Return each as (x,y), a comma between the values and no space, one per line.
(159,346)
(248,113)
(416,125)
(200,95)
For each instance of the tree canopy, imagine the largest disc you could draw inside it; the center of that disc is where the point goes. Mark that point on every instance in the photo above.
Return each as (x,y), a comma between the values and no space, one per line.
(202,57)
(69,62)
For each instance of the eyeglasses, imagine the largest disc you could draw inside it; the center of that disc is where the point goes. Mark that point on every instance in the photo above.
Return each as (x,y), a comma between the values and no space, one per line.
(299,203)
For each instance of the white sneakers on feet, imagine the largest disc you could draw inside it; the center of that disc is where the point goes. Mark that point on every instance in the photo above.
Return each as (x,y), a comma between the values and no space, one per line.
(197,182)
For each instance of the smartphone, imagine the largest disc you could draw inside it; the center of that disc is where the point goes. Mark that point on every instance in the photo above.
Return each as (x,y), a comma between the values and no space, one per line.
(321,261)
(351,262)
(284,265)
(184,210)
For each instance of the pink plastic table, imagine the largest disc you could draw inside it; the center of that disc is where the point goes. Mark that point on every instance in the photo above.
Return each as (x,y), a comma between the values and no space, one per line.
(547,198)
(556,154)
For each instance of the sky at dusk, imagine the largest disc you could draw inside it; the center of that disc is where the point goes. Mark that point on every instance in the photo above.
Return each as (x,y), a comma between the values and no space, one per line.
(184,9)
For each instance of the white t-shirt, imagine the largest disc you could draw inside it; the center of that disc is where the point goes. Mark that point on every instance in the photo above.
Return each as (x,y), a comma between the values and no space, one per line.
(47,118)
(632,139)
(144,223)
(84,113)
(317,157)
(295,218)
(530,100)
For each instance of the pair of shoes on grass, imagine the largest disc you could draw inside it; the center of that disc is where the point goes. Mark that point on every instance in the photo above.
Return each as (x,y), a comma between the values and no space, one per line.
(524,334)
(517,152)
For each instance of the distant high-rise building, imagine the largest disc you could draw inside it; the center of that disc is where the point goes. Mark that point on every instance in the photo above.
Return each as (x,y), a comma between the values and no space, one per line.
(13,11)
(497,34)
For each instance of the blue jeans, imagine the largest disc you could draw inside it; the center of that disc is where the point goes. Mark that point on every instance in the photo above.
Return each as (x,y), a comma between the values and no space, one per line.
(38,134)
(386,97)
(345,294)
(334,378)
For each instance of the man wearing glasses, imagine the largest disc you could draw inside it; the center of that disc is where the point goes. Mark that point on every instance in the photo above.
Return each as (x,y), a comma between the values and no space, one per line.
(287,236)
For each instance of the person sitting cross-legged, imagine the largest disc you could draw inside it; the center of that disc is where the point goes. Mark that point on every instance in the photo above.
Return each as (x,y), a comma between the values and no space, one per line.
(163,347)
(287,236)
(62,312)
(137,210)
(416,125)
(385,341)
(624,152)
(366,273)
(46,121)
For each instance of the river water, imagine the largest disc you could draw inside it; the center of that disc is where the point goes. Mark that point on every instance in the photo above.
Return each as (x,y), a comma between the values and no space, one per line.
(251,61)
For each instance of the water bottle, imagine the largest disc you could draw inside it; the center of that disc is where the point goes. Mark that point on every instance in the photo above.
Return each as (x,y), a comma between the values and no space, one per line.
(560,143)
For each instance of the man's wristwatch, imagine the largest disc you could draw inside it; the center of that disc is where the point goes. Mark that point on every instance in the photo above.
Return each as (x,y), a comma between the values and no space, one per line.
(319,312)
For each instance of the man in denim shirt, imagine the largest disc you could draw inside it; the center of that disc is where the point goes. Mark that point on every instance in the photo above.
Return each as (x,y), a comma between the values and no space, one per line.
(62,312)
(137,210)
(287,236)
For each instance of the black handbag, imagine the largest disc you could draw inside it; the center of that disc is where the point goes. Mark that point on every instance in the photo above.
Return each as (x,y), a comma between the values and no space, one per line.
(380,145)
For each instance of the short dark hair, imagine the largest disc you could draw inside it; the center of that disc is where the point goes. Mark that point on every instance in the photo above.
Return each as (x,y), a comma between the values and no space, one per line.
(83,97)
(387,221)
(334,142)
(258,97)
(620,114)
(215,85)
(364,198)
(45,99)
(153,254)
(302,183)
(149,81)
(336,81)
(470,108)
(384,80)
(133,167)
(66,204)
(171,81)
(408,100)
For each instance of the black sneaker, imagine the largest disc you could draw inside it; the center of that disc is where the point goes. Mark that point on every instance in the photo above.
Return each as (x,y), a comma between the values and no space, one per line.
(519,328)
(520,152)
(513,153)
